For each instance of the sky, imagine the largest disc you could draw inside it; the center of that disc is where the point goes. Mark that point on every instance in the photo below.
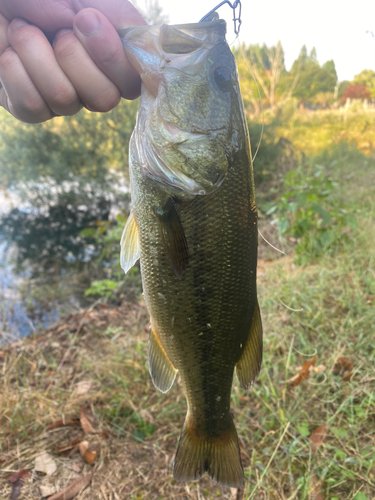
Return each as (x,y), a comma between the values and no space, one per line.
(337,28)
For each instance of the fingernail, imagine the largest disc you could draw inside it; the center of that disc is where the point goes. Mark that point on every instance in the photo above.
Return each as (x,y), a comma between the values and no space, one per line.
(17,23)
(87,23)
(61,33)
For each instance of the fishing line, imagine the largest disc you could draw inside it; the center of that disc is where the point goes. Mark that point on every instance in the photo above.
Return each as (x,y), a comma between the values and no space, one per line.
(260,97)
(290,308)
(270,244)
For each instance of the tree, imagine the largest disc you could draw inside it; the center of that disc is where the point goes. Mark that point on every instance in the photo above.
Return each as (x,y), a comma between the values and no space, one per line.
(356,92)
(330,67)
(268,67)
(313,79)
(366,78)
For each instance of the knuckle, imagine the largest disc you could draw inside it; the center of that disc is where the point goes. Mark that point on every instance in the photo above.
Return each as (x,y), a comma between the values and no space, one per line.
(64,97)
(106,102)
(8,59)
(24,35)
(66,47)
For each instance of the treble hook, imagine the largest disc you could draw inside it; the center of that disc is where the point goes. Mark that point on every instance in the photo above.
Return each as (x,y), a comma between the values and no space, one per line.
(236,20)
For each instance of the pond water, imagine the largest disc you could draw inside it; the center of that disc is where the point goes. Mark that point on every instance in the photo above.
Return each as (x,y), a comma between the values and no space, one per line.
(43,246)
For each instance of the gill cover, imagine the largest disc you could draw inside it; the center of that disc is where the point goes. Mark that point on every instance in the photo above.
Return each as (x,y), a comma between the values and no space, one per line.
(185,128)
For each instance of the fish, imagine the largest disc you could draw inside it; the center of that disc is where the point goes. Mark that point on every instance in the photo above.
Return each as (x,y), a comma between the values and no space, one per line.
(193,225)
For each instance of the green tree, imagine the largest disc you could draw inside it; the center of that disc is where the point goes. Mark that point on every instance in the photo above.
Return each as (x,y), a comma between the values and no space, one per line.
(366,78)
(313,79)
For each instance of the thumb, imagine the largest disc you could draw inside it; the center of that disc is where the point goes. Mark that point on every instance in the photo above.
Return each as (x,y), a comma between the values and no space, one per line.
(120,13)
(101,41)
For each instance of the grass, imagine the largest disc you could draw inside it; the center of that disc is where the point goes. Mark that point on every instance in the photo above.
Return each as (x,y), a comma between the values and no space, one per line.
(325,308)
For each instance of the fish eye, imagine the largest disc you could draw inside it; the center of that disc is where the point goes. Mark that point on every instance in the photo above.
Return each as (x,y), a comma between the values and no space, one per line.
(223,78)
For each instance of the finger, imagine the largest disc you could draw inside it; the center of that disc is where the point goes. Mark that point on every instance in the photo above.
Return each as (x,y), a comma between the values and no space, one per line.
(104,46)
(39,61)
(121,14)
(21,96)
(93,87)
(48,15)
(3,33)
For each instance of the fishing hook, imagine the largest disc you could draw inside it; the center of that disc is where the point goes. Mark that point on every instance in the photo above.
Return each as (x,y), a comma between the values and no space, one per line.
(236,19)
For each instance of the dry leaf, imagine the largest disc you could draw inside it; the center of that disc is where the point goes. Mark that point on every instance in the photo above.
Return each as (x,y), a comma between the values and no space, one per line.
(20,474)
(83,387)
(304,374)
(342,364)
(315,488)
(17,481)
(75,467)
(68,448)
(89,457)
(73,489)
(317,437)
(146,416)
(83,447)
(86,419)
(45,463)
(319,369)
(46,490)
(62,423)
(87,454)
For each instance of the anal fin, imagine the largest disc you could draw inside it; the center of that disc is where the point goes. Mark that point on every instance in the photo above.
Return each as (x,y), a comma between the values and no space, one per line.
(130,249)
(162,371)
(173,237)
(250,361)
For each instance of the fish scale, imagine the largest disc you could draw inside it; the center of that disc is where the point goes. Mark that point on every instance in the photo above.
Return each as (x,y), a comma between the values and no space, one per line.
(198,253)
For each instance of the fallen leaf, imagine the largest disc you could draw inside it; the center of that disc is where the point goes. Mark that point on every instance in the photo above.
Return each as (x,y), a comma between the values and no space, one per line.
(317,437)
(6,458)
(77,468)
(46,490)
(69,447)
(73,489)
(16,489)
(87,454)
(83,447)
(45,463)
(20,474)
(347,376)
(62,423)
(304,374)
(83,387)
(344,367)
(315,488)
(319,369)
(86,419)
(17,481)
(342,364)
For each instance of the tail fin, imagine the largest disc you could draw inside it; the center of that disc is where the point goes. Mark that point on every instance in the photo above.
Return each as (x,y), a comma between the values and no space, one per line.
(219,457)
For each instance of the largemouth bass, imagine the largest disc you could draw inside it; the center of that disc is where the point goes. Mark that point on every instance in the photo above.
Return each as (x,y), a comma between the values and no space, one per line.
(194,227)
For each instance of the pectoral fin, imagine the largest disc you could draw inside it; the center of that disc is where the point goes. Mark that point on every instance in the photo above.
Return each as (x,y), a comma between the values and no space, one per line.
(173,237)
(161,369)
(130,250)
(249,364)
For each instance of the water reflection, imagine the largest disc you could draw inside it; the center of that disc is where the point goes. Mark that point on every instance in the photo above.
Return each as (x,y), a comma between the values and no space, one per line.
(43,243)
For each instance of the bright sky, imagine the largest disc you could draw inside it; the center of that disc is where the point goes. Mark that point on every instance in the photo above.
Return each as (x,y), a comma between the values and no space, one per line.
(337,28)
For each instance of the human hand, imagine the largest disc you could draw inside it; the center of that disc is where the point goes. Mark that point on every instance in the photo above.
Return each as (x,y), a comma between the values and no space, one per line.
(85,65)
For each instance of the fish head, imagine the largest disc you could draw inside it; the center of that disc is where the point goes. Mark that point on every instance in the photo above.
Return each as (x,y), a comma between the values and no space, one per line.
(189,112)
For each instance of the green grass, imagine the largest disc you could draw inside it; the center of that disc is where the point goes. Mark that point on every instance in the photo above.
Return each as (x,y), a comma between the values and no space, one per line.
(324,308)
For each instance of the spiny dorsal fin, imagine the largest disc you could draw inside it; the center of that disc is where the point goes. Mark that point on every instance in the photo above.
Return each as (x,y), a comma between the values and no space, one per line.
(173,236)
(161,369)
(130,250)
(249,364)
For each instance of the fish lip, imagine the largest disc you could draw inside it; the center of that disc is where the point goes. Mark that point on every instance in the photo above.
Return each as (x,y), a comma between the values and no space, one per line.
(212,25)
